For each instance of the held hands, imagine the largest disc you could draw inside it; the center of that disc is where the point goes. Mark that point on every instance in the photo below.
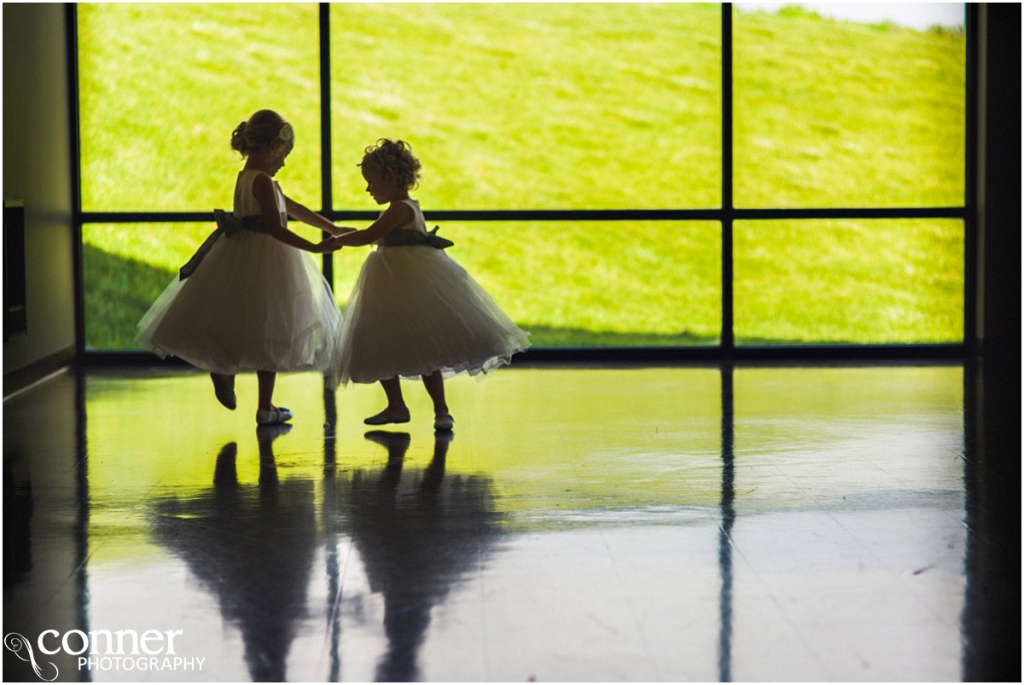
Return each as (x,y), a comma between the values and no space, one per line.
(327,245)
(330,244)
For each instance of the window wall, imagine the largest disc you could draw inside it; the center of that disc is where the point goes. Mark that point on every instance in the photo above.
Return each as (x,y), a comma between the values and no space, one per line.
(699,177)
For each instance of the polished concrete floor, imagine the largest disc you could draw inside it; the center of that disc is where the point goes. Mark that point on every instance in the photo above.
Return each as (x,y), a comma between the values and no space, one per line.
(579,524)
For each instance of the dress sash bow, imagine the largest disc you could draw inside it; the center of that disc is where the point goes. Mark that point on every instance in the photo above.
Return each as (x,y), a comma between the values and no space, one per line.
(227,225)
(407,237)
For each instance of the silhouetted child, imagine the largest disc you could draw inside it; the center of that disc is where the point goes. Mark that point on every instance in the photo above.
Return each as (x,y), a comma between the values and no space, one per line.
(414,312)
(251,300)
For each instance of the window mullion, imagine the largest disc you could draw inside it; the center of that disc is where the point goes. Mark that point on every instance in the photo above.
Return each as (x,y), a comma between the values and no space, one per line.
(326,179)
(727,341)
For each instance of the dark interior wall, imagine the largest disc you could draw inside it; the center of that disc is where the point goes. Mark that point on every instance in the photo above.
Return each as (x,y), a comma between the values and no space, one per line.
(37,170)
(992,600)
(999,182)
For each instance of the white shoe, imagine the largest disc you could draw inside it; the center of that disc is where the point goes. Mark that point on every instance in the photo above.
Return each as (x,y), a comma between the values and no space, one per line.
(266,417)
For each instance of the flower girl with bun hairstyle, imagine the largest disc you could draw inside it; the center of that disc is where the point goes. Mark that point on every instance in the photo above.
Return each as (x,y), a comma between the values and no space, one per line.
(414,312)
(252,298)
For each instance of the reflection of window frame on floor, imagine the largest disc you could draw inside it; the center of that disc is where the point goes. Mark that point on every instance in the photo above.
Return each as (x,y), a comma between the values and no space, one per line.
(727,349)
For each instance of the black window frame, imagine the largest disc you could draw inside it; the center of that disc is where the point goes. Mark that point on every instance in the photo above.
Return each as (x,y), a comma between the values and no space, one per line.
(726,350)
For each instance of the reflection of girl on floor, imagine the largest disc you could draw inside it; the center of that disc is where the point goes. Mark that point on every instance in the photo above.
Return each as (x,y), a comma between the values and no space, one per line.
(416,545)
(252,548)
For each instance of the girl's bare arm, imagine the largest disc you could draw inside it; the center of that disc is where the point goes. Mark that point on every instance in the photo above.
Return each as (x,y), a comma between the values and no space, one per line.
(307,216)
(266,196)
(397,214)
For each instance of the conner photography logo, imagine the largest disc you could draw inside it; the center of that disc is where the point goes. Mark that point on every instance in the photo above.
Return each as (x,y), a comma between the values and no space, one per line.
(103,650)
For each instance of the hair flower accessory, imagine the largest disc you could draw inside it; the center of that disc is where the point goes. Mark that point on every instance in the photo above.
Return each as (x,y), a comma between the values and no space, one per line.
(286,134)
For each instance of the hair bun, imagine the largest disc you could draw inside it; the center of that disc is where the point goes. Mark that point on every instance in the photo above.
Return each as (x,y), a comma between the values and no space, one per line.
(262,128)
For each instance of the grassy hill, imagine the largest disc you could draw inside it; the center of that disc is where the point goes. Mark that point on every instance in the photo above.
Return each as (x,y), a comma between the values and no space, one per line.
(554,106)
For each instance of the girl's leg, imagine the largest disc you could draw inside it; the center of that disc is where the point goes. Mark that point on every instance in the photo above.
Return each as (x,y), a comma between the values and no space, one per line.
(393,390)
(266,379)
(396,411)
(267,413)
(434,383)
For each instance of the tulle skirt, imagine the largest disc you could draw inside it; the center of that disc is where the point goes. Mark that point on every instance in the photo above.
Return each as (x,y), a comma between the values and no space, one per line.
(414,311)
(253,304)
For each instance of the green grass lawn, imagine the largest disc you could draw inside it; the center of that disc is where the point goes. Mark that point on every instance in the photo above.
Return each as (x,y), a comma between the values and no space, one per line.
(554,106)
(534,105)
(889,281)
(833,114)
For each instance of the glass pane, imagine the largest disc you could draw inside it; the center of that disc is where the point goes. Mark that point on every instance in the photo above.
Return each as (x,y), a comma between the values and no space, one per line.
(589,283)
(127,266)
(516,106)
(162,86)
(832,113)
(853,281)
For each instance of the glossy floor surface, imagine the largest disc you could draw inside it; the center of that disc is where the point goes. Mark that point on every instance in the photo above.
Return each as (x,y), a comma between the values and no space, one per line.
(615,524)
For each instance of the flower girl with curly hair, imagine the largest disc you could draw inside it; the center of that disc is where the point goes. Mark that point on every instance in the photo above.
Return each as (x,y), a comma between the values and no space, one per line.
(414,312)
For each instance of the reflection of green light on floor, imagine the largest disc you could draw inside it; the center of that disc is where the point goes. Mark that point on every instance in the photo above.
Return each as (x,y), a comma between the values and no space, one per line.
(554,443)
(576,502)
(612,435)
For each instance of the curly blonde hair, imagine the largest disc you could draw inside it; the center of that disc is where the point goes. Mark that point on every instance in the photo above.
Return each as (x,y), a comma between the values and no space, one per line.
(262,128)
(393,158)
